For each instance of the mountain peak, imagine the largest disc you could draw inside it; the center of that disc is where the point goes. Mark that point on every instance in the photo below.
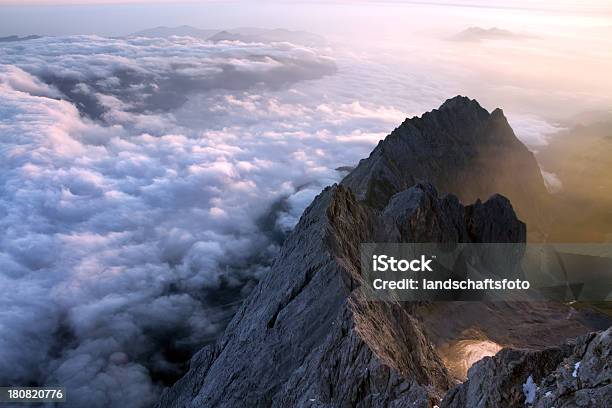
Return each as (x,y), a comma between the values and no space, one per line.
(460,102)
(461,149)
(307,335)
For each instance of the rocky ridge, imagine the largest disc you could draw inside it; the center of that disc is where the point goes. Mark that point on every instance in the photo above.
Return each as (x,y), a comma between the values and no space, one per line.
(307,336)
(460,148)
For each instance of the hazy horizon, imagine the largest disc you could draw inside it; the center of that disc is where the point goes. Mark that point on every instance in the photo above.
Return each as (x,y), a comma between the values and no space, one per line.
(146,183)
(573,37)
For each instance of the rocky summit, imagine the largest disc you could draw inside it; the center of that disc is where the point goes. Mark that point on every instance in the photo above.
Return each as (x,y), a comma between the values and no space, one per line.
(462,149)
(307,337)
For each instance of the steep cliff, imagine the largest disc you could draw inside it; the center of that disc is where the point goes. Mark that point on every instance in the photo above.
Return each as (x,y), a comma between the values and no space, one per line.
(307,336)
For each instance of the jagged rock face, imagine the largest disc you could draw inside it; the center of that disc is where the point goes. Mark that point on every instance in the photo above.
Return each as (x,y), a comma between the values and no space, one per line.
(572,375)
(461,149)
(582,380)
(307,337)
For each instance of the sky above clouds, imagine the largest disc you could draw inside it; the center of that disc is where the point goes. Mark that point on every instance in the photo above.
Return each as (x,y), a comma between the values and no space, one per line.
(146,183)
(121,17)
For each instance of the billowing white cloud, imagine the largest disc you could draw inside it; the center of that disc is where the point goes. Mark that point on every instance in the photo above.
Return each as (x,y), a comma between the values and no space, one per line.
(131,229)
(533,131)
(20,80)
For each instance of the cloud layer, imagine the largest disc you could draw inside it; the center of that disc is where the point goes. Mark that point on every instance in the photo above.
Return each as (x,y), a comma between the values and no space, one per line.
(145,185)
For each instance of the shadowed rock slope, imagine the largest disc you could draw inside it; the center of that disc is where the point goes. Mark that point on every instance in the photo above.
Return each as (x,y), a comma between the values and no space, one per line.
(461,149)
(307,337)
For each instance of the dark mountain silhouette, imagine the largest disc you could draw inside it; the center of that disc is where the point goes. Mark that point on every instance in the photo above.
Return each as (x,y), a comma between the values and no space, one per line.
(462,149)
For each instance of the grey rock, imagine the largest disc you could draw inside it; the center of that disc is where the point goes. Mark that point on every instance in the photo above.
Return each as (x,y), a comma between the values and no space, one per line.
(497,381)
(421,216)
(307,337)
(584,379)
(577,374)
(461,149)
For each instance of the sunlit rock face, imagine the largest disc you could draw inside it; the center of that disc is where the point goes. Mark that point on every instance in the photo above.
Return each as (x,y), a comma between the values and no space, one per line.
(459,356)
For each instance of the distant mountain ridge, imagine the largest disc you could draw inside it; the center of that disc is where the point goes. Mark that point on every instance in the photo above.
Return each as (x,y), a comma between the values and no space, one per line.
(476,34)
(182,31)
(242,34)
(14,38)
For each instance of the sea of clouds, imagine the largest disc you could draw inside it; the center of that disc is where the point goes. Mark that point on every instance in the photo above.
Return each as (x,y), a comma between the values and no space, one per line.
(147,183)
